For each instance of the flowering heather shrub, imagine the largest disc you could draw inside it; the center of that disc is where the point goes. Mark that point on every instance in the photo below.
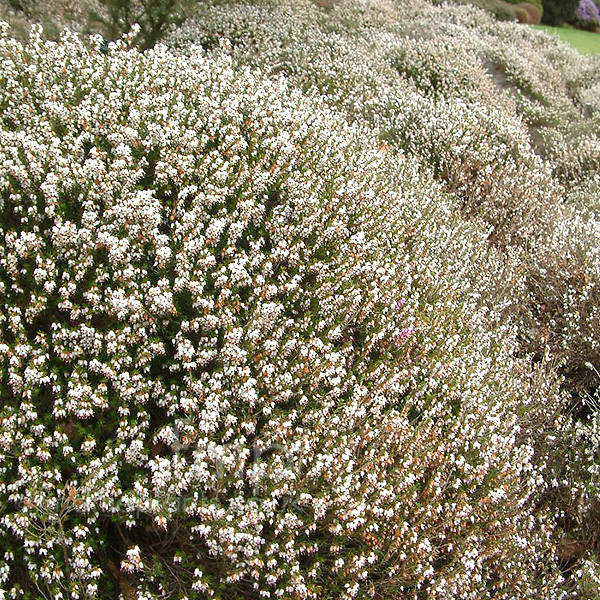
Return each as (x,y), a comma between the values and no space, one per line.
(505,118)
(269,304)
(246,350)
(587,11)
(507,121)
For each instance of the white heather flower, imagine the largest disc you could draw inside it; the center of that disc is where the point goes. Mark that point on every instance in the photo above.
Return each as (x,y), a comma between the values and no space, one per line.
(133,561)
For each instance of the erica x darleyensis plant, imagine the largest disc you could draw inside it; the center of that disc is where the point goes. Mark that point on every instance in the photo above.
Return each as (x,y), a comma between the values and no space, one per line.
(245,351)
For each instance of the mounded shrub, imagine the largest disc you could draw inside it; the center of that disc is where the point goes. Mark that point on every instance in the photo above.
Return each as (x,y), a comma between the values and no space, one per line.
(269,306)
(246,349)
(588,15)
(508,136)
(559,12)
(506,119)
(534,13)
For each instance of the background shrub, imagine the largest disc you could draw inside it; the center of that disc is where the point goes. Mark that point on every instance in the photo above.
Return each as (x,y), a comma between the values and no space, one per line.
(110,18)
(153,17)
(558,12)
(532,10)
(587,14)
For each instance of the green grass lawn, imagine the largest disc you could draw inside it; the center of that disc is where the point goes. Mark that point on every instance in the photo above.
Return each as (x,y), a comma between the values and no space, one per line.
(585,42)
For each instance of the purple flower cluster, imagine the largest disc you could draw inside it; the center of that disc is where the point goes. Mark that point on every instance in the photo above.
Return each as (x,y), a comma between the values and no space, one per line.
(588,11)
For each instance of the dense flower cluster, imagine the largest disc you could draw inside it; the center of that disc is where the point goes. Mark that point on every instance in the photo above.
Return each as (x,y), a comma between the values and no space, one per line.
(268,298)
(506,119)
(508,122)
(588,11)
